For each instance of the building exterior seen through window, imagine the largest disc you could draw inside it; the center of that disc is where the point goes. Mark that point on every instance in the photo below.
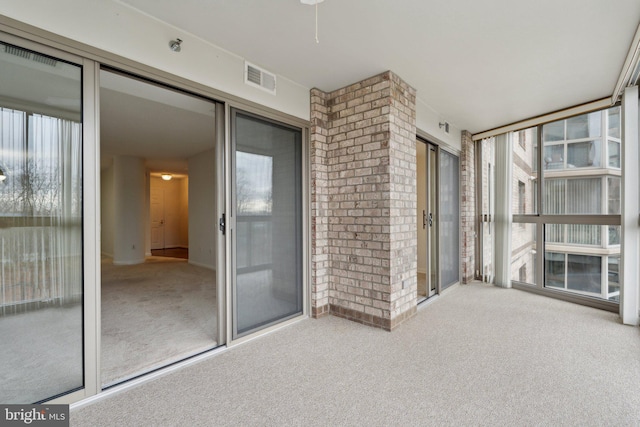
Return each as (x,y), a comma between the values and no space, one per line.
(581,175)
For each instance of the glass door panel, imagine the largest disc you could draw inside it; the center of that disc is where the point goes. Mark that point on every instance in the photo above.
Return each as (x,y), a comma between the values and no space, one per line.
(41,286)
(486,182)
(432,223)
(449,219)
(422,217)
(159,289)
(267,200)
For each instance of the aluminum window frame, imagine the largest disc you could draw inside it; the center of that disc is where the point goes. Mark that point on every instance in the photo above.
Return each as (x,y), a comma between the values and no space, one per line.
(92,59)
(541,220)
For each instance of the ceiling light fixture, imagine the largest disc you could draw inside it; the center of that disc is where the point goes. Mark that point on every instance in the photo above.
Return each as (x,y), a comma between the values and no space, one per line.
(166,176)
(314,2)
(3,176)
(174,45)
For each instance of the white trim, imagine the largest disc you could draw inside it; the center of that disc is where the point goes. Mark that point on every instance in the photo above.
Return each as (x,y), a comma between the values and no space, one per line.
(203,265)
(92,220)
(630,243)
(132,262)
(631,64)
(145,378)
(546,118)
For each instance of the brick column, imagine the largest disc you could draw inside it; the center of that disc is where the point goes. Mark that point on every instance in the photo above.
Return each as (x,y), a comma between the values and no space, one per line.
(468,218)
(319,205)
(404,200)
(364,198)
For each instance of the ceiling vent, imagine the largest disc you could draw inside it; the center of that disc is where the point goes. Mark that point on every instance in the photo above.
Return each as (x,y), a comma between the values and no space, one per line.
(259,77)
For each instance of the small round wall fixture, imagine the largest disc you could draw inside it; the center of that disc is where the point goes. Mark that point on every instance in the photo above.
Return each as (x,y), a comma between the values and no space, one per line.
(166,176)
(174,45)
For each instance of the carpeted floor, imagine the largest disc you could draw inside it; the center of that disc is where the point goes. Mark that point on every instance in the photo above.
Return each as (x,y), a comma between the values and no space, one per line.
(154,314)
(41,353)
(478,355)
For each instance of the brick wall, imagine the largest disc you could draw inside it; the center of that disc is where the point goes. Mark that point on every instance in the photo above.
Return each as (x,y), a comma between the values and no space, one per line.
(468,207)
(319,205)
(403,201)
(363,201)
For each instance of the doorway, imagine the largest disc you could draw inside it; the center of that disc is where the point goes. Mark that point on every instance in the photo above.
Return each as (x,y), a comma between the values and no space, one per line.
(157,219)
(158,193)
(427,218)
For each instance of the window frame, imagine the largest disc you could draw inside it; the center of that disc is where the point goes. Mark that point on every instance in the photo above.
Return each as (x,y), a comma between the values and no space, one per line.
(540,219)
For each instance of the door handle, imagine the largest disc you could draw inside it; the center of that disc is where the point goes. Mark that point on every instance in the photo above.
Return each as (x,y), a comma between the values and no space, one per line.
(222,224)
(424,219)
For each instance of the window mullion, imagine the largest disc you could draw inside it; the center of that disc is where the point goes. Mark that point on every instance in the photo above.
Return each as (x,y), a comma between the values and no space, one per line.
(540,227)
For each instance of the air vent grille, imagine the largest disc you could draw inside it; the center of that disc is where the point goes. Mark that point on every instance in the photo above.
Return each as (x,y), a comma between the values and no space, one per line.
(259,77)
(253,75)
(26,54)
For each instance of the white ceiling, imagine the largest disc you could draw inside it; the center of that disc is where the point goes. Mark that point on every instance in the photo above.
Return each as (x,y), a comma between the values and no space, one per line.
(160,125)
(479,64)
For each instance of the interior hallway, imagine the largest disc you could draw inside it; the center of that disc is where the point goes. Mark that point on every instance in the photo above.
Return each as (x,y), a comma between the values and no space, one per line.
(477,355)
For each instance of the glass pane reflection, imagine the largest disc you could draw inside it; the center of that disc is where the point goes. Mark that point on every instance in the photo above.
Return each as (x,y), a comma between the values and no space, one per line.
(268,199)
(40,227)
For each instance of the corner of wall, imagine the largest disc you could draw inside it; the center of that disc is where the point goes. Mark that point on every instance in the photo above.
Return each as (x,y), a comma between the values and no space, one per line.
(363,196)
(320,214)
(468,206)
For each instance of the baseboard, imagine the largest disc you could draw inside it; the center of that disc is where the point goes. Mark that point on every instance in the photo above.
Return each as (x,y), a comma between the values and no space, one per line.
(107,254)
(203,265)
(134,262)
(422,271)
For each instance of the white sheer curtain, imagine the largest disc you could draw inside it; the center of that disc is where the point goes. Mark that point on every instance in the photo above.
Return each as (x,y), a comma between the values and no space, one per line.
(502,247)
(40,209)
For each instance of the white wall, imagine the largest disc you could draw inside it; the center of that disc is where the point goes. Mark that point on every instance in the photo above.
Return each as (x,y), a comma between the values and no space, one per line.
(176,214)
(107,211)
(119,29)
(183,189)
(202,215)
(427,121)
(129,210)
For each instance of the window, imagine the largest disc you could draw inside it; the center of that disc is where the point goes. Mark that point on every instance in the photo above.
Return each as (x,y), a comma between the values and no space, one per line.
(522,139)
(449,214)
(41,282)
(579,207)
(522,197)
(522,273)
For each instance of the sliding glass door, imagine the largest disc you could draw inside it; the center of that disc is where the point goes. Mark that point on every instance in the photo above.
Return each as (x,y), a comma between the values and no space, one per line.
(267,214)
(41,285)
(449,214)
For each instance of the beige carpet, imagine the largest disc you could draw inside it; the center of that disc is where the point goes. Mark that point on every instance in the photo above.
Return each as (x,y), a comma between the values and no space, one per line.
(41,353)
(478,355)
(154,314)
